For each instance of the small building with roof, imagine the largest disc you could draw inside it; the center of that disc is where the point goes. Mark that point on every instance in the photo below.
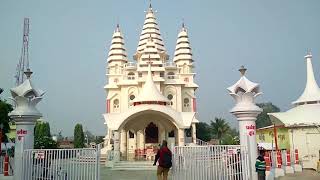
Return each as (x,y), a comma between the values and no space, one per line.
(149,98)
(302,122)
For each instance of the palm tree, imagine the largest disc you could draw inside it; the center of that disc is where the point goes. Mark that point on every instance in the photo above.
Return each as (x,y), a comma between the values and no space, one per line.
(219,127)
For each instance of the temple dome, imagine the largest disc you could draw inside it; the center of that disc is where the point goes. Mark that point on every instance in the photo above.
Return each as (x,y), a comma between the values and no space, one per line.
(150,93)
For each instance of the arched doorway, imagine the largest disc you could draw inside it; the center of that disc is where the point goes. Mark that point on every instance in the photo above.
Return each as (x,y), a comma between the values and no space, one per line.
(152,133)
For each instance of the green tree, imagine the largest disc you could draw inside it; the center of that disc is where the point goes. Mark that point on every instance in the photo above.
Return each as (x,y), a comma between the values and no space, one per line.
(45,142)
(263,118)
(231,137)
(203,131)
(42,136)
(5,108)
(219,128)
(78,136)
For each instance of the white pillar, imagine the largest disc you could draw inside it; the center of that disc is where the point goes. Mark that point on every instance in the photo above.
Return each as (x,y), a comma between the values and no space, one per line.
(244,92)
(24,140)
(25,115)
(116,146)
(123,141)
(180,137)
(247,134)
(194,133)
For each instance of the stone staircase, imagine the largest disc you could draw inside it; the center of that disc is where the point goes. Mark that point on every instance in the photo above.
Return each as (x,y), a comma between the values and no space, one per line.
(134,165)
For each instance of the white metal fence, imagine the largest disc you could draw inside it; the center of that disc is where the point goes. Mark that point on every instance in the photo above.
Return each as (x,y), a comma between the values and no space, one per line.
(61,164)
(201,143)
(210,163)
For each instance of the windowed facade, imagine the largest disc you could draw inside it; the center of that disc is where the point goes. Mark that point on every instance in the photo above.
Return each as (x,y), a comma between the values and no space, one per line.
(186,102)
(170,97)
(170,75)
(131,135)
(116,104)
(131,76)
(131,97)
(161,74)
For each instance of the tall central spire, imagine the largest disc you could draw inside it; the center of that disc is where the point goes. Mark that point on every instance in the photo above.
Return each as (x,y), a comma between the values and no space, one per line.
(150,28)
(311,91)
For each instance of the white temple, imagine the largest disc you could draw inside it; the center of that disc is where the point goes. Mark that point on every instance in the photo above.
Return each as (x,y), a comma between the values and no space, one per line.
(150,98)
(303,120)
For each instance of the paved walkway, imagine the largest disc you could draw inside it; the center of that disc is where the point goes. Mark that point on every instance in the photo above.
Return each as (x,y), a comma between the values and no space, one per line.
(305,175)
(107,174)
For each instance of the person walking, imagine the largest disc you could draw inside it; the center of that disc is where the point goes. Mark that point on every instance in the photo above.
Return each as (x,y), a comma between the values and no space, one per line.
(164,158)
(261,166)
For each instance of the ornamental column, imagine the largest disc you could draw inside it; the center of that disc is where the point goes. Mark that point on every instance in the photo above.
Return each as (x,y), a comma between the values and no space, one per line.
(246,111)
(181,137)
(116,145)
(25,115)
(194,133)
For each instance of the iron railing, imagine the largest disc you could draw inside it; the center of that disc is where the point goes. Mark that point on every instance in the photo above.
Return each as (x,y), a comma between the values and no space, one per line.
(61,164)
(210,162)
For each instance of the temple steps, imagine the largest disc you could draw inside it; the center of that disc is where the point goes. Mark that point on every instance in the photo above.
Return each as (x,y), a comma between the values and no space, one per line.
(133,165)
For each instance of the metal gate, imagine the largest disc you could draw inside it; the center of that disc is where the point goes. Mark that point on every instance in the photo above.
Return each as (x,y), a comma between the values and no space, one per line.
(210,162)
(61,164)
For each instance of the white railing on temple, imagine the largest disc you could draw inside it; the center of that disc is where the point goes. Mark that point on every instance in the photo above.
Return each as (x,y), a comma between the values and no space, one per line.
(61,164)
(130,65)
(170,64)
(210,162)
(201,143)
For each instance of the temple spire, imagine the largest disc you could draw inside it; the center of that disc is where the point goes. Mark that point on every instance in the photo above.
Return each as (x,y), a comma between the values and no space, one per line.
(150,28)
(183,48)
(311,91)
(117,49)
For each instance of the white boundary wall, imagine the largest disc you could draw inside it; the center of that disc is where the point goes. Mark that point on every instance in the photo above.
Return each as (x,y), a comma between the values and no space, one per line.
(219,162)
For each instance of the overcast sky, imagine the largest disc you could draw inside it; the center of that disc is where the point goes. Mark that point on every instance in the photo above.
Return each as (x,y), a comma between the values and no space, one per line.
(69,43)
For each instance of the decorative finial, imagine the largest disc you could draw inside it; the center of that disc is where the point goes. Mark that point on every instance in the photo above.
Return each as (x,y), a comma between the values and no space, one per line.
(28,73)
(118,27)
(242,70)
(309,54)
(182,22)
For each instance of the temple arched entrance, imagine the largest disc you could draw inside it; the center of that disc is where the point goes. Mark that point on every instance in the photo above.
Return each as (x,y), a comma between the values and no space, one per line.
(142,133)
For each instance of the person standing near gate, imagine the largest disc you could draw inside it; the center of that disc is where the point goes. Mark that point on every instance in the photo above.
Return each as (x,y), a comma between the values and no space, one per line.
(261,166)
(164,158)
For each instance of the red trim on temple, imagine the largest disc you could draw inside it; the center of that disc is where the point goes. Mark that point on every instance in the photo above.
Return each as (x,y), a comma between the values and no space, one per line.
(108,105)
(194,105)
(150,102)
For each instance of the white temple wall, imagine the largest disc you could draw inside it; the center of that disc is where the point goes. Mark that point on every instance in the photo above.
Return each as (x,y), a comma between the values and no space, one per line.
(179,94)
(123,142)
(140,139)
(181,137)
(306,140)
